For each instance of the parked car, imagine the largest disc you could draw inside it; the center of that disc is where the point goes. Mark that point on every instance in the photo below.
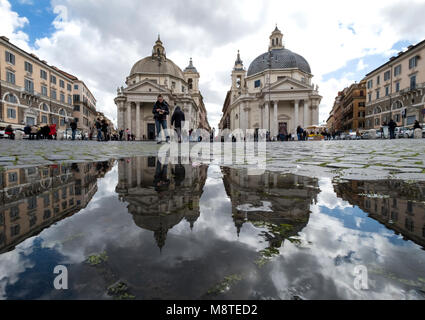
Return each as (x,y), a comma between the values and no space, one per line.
(399,132)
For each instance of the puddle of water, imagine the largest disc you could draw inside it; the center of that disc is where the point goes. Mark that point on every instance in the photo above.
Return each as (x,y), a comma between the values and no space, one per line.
(135,229)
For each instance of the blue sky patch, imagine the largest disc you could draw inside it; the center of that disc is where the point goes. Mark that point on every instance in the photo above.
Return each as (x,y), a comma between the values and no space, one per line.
(40,16)
(372,62)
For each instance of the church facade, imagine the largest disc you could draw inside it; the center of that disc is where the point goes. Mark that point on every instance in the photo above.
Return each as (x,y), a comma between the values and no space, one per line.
(275,93)
(154,75)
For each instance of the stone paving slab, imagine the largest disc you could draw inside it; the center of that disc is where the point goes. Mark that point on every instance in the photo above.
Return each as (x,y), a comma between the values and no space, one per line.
(365,160)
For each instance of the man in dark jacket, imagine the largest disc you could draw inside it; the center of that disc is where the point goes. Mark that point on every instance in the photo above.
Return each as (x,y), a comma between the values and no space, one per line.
(98,126)
(392,125)
(176,121)
(73,128)
(161,111)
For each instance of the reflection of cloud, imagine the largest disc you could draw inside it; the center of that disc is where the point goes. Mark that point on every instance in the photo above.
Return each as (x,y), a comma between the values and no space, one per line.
(13,263)
(194,260)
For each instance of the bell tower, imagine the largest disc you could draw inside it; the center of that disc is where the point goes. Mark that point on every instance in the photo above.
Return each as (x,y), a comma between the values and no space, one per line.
(238,76)
(192,76)
(276,39)
(158,50)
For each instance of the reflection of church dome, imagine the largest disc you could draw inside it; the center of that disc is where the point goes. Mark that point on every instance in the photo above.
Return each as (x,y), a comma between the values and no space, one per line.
(149,65)
(281,59)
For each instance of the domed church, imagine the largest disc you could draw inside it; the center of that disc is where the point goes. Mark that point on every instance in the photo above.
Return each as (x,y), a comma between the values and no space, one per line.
(154,75)
(276,92)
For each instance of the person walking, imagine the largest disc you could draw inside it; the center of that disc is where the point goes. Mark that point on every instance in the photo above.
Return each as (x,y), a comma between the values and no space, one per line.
(105,130)
(300,132)
(417,125)
(98,126)
(176,121)
(161,111)
(73,126)
(121,134)
(392,125)
(53,132)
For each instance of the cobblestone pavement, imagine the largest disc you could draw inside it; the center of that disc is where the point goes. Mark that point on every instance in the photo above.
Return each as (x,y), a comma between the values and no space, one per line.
(353,160)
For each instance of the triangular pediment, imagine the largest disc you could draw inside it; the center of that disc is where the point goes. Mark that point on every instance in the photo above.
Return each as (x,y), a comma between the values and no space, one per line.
(289,84)
(145,86)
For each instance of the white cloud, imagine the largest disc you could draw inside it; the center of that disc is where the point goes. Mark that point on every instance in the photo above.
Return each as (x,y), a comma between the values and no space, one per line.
(11,23)
(361,65)
(99,41)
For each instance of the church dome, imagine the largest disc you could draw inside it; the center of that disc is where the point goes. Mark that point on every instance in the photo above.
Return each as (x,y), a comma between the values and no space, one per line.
(149,65)
(281,59)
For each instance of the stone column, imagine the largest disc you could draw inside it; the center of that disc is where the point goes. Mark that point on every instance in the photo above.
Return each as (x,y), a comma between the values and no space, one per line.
(306,120)
(267,116)
(138,125)
(275,124)
(296,116)
(128,122)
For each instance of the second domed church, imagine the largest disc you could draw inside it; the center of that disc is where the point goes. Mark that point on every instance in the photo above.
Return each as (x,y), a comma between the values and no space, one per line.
(276,94)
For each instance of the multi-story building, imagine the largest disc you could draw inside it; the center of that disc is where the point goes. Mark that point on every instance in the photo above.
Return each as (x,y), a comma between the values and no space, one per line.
(348,112)
(84,104)
(396,90)
(35,93)
(353,107)
(334,123)
(31,91)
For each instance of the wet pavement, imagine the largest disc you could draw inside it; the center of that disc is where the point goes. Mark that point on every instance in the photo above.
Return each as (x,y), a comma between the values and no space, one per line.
(135,229)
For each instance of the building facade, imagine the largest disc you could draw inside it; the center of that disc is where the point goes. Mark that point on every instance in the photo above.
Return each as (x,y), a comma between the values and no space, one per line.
(276,92)
(154,75)
(84,107)
(353,107)
(35,93)
(31,91)
(396,90)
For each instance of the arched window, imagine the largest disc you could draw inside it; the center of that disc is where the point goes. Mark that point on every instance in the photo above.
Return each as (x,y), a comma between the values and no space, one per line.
(45,107)
(377,110)
(272,42)
(397,105)
(11,98)
(62,112)
(190,82)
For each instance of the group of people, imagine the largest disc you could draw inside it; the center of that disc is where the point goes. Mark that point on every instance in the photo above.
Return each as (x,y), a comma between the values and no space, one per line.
(102,129)
(34,132)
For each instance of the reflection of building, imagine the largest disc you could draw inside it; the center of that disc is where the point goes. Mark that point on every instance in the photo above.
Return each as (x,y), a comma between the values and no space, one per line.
(153,75)
(275,92)
(399,206)
(290,198)
(32,199)
(159,197)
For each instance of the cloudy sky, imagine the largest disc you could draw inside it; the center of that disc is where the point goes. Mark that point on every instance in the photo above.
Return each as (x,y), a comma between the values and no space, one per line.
(100,40)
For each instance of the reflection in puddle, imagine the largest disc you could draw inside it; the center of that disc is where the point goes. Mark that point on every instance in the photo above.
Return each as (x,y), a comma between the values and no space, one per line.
(151,231)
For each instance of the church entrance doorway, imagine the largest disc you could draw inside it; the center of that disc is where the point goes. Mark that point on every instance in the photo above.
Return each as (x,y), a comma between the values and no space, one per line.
(151,131)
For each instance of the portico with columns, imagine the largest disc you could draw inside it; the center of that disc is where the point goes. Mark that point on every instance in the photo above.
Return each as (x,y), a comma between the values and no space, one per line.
(276,91)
